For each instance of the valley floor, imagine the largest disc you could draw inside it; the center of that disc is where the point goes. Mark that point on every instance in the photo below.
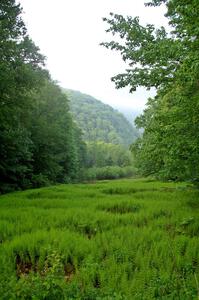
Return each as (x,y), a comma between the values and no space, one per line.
(121,239)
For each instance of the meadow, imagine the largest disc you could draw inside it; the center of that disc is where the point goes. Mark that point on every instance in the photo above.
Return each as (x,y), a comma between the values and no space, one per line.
(120,239)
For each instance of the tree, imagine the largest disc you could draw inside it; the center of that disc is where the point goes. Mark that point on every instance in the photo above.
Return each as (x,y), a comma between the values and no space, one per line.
(101,154)
(20,60)
(159,54)
(21,70)
(39,142)
(169,62)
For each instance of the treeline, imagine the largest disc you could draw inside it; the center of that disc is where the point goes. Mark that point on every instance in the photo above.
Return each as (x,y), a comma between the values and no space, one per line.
(169,147)
(107,161)
(107,134)
(99,121)
(39,142)
(102,154)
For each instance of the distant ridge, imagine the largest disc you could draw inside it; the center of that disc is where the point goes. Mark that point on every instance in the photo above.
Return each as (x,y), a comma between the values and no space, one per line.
(99,121)
(129,113)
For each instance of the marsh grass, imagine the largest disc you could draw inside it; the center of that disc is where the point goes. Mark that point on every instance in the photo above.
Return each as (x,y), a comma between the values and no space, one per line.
(123,239)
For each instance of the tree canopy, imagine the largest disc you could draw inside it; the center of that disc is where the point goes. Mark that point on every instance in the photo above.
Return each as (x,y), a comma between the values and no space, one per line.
(168,61)
(39,142)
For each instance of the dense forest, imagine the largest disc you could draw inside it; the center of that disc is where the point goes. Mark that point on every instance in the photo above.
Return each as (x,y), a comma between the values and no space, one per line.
(107,136)
(99,121)
(168,61)
(39,141)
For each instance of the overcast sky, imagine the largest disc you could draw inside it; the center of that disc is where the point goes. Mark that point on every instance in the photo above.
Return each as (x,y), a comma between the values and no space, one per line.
(69,32)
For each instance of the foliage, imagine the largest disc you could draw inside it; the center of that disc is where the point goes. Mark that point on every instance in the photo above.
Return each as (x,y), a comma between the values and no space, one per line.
(169,62)
(170,147)
(39,142)
(108,172)
(57,140)
(122,239)
(100,154)
(99,121)
(107,161)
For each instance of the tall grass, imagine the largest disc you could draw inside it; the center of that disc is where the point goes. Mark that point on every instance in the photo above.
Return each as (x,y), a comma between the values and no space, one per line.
(122,239)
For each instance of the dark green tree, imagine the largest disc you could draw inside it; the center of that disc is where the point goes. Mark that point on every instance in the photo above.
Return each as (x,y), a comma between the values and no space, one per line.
(57,145)
(21,70)
(39,142)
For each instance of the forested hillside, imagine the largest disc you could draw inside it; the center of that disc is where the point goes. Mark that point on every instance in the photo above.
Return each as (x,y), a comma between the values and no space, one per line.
(99,121)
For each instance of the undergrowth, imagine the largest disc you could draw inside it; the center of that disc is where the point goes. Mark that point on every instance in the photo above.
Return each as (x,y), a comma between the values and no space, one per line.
(123,239)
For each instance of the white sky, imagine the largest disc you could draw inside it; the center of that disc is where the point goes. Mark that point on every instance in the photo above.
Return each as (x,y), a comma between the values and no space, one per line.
(69,32)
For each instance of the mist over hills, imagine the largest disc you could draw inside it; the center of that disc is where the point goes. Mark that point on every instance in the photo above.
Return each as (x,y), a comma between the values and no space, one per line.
(99,121)
(129,113)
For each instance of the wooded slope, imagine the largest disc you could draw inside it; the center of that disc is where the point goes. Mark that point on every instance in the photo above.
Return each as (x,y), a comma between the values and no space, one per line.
(99,121)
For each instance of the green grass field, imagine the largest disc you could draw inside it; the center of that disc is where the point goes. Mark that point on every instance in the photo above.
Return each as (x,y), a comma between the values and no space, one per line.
(122,239)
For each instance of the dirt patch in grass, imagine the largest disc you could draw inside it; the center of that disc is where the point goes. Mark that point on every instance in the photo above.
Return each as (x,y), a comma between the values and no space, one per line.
(23,267)
(69,271)
(97,283)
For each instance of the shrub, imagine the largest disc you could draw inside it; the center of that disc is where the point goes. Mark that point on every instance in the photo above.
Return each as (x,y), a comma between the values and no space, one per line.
(109,172)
